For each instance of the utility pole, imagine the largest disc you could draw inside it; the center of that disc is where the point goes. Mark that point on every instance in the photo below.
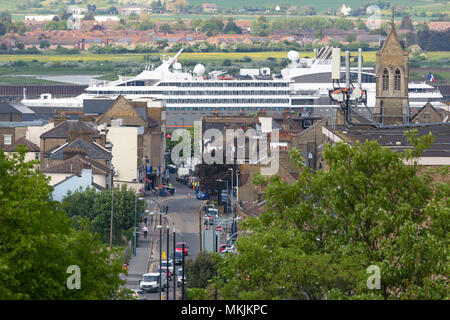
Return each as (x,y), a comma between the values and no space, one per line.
(174,267)
(112,208)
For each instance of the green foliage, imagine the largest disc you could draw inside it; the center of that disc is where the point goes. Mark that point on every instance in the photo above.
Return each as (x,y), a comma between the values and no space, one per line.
(201,270)
(96,206)
(38,242)
(319,235)
(232,28)
(260,26)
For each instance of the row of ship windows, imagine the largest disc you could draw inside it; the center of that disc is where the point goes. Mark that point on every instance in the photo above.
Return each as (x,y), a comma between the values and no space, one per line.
(226,93)
(225,84)
(208,101)
(127,92)
(233,109)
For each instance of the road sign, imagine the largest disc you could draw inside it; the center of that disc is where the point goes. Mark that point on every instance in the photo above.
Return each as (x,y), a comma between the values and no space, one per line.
(164,255)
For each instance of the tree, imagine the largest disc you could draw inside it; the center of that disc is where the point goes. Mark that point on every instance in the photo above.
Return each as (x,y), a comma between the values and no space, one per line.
(165,27)
(318,235)
(39,243)
(179,25)
(2,29)
(89,16)
(200,270)
(113,10)
(343,24)
(182,6)
(259,26)
(195,23)
(406,23)
(350,37)
(44,44)
(96,206)
(232,28)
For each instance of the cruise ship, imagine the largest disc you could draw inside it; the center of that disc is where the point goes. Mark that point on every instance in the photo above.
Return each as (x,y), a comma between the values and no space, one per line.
(302,87)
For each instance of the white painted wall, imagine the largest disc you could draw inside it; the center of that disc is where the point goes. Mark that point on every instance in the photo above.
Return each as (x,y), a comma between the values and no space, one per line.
(58,177)
(124,151)
(33,133)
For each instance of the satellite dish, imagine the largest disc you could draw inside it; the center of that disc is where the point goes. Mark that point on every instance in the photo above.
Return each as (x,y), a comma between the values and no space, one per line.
(293,55)
(199,70)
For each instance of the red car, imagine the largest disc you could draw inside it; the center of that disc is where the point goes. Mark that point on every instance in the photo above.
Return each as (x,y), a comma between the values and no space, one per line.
(224,246)
(179,248)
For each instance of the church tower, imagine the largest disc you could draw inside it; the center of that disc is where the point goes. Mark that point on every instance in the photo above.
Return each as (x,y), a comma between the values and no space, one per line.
(392,106)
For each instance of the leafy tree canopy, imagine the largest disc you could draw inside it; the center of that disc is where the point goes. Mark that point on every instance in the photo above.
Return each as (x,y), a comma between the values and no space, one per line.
(318,236)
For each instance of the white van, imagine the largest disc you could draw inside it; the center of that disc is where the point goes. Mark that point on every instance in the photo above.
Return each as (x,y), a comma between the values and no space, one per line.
(150,282)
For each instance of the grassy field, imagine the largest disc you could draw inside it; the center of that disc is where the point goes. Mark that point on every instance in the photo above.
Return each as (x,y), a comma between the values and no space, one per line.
(369,56)
(322,5)
(27,80)
(318,5)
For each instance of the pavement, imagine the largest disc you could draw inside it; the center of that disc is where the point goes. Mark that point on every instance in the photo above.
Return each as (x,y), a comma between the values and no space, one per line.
(147,252)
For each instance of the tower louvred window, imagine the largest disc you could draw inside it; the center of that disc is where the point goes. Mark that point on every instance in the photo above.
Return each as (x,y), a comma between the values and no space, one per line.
(397,80)
(385,79)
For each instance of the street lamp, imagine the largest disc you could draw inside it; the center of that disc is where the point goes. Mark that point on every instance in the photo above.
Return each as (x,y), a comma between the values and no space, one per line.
(231,195)
(161,209)
(112,208)
(220,180)
(135,211)
(182,268)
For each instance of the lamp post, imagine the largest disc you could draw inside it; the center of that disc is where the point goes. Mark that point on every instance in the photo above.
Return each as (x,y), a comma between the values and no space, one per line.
(182,268)
(220,180)
(167,259)
(112,208)
(160,241)
(231,194)
(134,233)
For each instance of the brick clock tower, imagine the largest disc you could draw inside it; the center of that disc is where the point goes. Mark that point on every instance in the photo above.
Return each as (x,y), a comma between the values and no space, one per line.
(392,106)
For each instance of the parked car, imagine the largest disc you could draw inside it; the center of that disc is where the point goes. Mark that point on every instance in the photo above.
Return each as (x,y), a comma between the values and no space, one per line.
(164,265)
(150,282)
(179,248)
(178,258)
(224,246)
(202,196)
(180,277)
(138,294)
(208,219)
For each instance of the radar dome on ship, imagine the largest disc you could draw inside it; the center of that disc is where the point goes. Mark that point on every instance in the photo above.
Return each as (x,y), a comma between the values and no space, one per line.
(293,55)
(199,70)
(177,66)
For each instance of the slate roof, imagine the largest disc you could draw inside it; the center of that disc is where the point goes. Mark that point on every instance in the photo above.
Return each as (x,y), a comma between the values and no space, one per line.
(91,150)
(27,143)
(393,137)
(96,106)
(5,107)
(74,165)
(62,130)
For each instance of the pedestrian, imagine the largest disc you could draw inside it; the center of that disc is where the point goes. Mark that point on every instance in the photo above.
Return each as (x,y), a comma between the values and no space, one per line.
(145,220)
(145,231)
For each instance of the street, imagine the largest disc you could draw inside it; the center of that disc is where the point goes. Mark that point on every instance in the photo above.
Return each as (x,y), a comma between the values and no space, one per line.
(183,212)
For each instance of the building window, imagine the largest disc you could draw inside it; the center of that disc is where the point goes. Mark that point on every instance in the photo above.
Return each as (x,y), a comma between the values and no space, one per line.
(397,80)
(385,80)
(36,155)
(7,139)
